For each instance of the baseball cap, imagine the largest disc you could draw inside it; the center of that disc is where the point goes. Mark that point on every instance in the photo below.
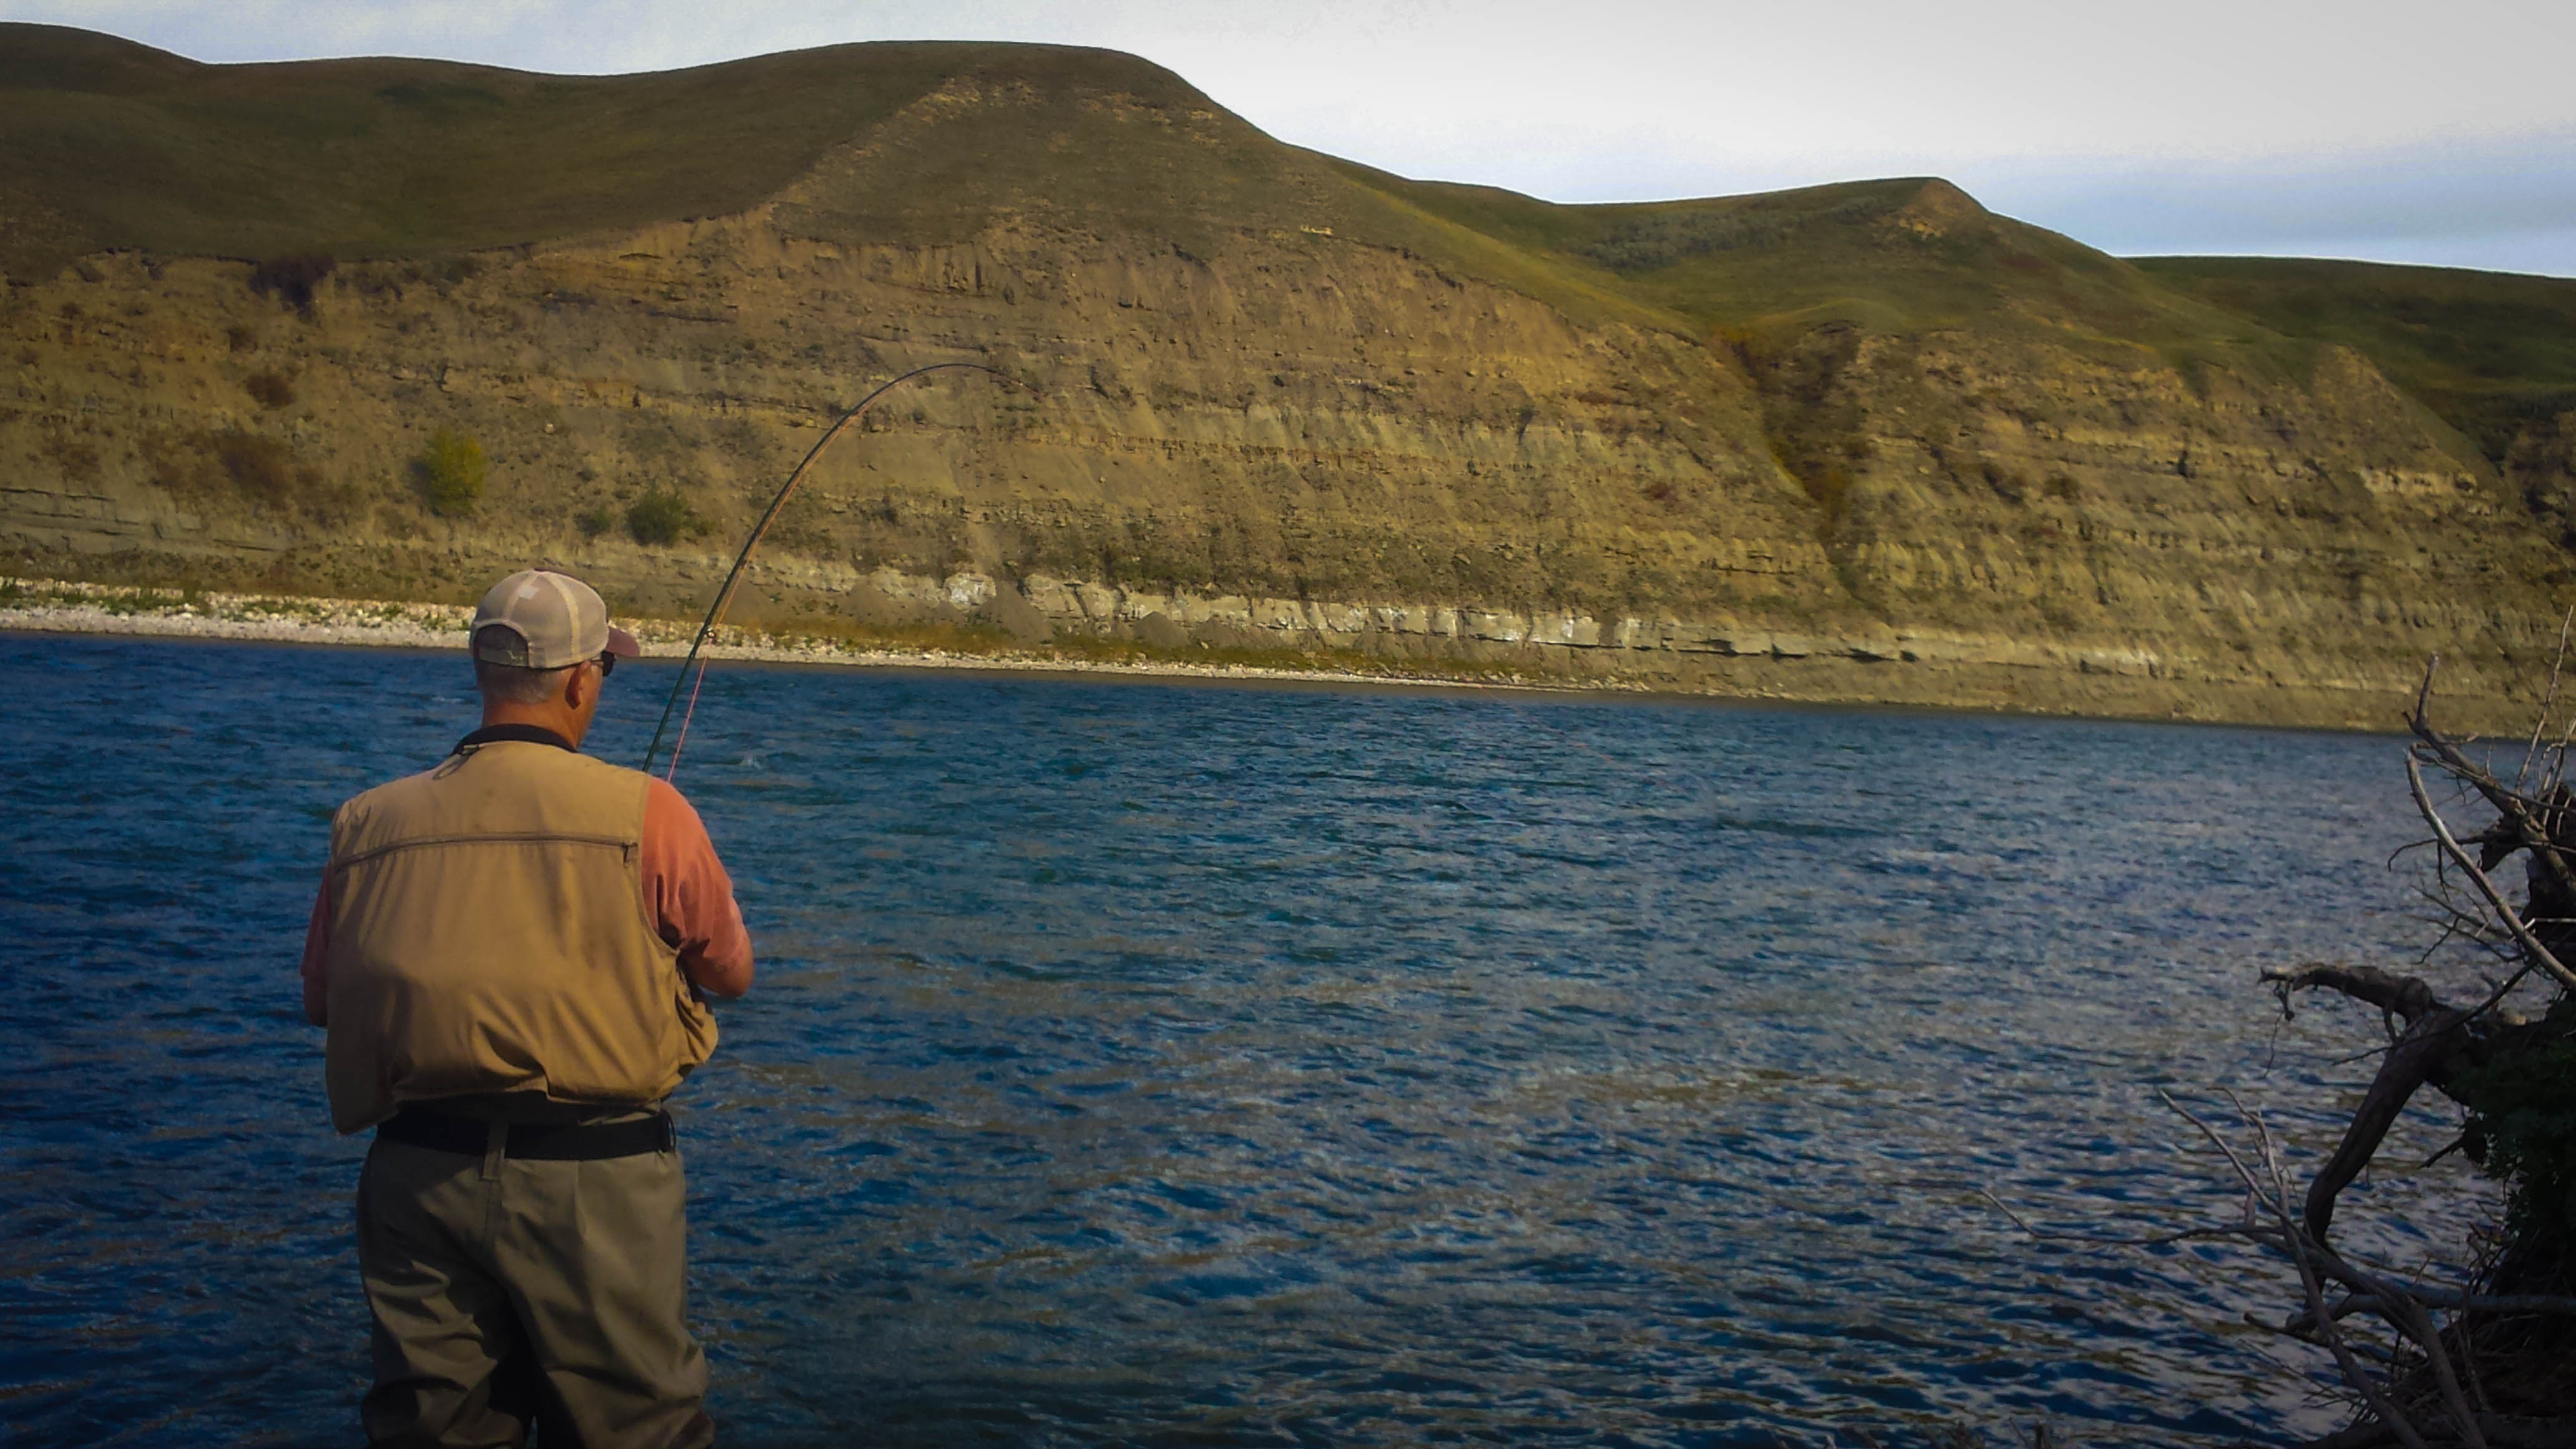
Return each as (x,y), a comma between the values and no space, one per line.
(540,619)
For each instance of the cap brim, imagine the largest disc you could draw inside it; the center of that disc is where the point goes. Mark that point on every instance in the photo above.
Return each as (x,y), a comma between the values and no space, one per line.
(622,644)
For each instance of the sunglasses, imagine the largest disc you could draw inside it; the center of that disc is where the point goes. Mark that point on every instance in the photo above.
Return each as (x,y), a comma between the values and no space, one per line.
(607,664)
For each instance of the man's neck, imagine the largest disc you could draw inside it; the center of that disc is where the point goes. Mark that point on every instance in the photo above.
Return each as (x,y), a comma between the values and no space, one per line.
(556,720)
(525,734)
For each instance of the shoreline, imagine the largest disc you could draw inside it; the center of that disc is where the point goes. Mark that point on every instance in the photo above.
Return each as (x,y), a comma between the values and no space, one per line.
(46,606)
(56,607)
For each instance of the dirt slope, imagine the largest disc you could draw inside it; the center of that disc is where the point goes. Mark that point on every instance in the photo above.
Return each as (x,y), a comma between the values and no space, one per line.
(1860,442)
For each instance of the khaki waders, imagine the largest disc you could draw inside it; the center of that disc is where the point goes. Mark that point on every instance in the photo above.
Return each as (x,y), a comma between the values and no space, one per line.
(508,1291)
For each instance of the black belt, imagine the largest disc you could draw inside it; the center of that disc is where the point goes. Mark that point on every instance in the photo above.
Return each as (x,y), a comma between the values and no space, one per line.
(561,1142)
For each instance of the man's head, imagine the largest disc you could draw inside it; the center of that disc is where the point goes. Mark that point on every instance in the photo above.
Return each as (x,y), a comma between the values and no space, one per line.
(542,642)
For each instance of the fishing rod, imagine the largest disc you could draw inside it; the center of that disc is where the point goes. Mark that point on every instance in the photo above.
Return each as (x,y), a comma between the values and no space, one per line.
(724,595)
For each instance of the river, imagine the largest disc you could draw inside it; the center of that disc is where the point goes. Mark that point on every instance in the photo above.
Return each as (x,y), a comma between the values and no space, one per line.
(1154,1063)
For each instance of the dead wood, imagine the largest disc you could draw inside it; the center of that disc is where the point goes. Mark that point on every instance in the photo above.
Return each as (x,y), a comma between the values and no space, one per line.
(2439,1045)
(2406,996)
(2429,1045)
(2488,1363)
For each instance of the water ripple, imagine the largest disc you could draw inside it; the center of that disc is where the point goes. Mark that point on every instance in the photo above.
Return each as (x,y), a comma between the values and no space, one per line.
(1160,1065)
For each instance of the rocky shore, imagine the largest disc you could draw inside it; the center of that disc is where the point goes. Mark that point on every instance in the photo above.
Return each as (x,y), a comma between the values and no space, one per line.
(47,606)
(2037,684)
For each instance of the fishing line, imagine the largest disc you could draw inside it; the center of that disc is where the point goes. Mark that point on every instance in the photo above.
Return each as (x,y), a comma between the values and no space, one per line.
(724,595)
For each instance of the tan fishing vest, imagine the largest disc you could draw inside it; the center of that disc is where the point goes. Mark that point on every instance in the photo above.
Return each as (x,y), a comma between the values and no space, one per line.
(489,933)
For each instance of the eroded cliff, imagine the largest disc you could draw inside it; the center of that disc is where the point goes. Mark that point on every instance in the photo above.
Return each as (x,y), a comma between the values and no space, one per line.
(1868,444)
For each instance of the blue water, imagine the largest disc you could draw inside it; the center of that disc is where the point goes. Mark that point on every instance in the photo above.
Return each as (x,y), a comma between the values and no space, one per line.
(1163,1064)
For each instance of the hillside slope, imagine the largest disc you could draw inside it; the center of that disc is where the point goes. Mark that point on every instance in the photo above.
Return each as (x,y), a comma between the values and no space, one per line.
(2493,354)
(1856,442)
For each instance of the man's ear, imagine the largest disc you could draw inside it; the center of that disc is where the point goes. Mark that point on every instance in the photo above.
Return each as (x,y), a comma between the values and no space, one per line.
(577,688)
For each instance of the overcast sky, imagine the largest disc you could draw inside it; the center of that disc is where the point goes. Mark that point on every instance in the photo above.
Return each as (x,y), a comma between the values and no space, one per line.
(2424,133)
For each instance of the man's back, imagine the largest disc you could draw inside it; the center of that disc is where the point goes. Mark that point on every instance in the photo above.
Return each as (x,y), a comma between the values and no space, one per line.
(490,932)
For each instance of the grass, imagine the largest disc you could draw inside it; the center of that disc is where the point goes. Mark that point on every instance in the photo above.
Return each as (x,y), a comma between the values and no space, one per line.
(2490,353)
(118,145)
(299,163)
(132,147)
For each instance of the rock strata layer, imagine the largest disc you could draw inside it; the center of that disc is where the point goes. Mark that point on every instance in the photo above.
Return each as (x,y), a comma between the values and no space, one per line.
(1274,437)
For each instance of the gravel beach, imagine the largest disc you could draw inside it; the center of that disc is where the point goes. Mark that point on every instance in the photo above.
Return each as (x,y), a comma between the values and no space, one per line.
(52,606)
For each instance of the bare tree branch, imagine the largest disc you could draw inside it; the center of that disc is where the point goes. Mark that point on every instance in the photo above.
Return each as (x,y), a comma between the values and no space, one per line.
(2548,700)
(2427,1045)
(2404,995)
(2538,953)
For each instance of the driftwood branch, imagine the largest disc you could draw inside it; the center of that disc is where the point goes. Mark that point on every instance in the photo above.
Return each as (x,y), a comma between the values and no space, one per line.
(2445,1416)
(2428,1050)
(2439,1040)
(2406,996)
(2450,1300)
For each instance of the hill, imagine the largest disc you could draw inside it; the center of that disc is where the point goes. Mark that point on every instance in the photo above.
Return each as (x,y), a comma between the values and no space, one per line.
(2493,354)
(1865,441)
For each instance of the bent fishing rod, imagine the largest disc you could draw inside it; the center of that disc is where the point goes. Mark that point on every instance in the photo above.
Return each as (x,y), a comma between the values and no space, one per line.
(724,595)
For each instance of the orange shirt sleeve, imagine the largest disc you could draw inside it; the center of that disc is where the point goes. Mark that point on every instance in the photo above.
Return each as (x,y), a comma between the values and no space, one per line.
(691,896)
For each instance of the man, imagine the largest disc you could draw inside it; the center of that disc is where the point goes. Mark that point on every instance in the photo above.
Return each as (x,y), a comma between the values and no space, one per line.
(512,954)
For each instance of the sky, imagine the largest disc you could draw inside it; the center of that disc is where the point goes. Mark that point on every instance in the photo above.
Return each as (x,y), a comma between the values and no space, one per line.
(2390,132)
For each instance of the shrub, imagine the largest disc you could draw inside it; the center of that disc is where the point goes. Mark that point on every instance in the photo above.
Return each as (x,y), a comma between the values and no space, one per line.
(264,468)
(595,521)
(451,470)
(270,389)
(660,517)
(200,465)
(291,279)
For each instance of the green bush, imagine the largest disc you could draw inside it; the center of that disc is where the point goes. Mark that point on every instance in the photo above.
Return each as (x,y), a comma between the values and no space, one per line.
(661,517)
(451,470)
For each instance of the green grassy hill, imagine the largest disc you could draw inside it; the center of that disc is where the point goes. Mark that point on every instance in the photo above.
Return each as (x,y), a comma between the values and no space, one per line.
(1865,422)
(125,146)
(368,157)
(117,146)
(114,145)
(2491,352)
